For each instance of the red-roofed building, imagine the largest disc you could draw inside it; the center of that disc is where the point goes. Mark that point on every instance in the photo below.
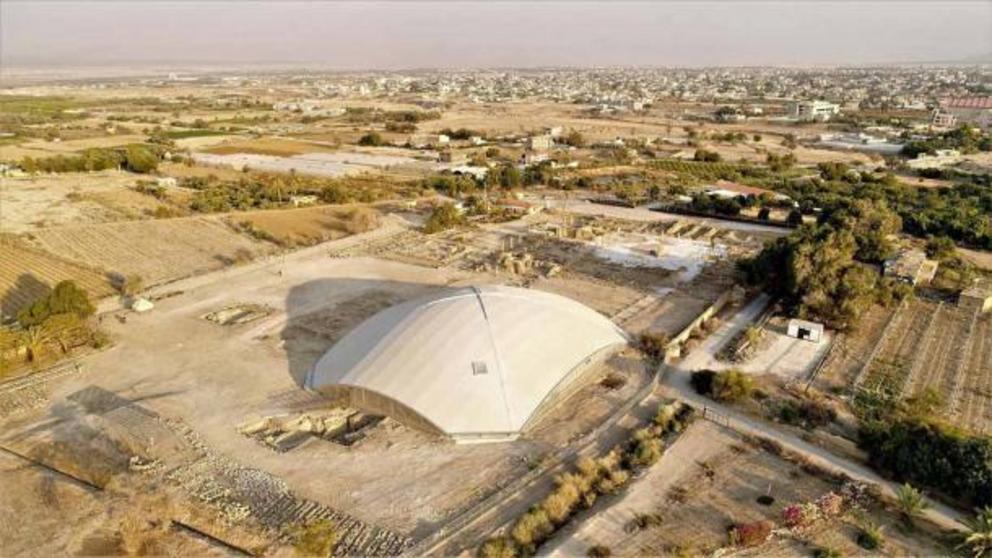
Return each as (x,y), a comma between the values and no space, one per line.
(976,111)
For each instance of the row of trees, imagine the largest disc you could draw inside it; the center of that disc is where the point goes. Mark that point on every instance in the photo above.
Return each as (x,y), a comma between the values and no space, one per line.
(135,158)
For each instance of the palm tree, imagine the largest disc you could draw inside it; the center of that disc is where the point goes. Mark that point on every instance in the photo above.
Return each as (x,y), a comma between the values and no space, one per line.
(911,502)
(979,536)
(35,339)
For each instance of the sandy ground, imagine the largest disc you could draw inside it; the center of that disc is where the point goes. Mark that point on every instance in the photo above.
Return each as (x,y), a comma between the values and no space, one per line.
(43,148)
(216,378)
(31,203)
(700,443)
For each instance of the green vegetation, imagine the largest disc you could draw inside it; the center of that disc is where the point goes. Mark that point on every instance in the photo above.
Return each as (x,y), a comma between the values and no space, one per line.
(726,386)
(66,298)
(267,191)
(963,138)
(654,345)
(141,158)
(960,212)
(706,156)
(55,322)
(373,139)
(870,536)
(911,503)
(820,270)
(931,455)
(195,133)
(978,538)
(444,217)
(580,488)
(315,539)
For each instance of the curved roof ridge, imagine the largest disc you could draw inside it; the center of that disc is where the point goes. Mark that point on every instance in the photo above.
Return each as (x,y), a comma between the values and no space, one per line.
(473,360)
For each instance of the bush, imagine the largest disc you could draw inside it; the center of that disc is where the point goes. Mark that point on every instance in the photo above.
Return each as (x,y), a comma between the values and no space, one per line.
(732,385)
(443,217)
(315,539)
(499,547)
(702,381)
(750,534)
(532,528)
(654,345)
(599,551)
(870,537)
(140,159)
(372,139)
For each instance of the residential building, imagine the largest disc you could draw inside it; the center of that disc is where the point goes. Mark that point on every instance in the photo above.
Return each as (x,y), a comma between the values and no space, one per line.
(815,111)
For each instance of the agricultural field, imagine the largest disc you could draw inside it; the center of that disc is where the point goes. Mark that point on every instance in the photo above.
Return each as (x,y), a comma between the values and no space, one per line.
(27,273)
(156,250)
(927,346)
(305,226)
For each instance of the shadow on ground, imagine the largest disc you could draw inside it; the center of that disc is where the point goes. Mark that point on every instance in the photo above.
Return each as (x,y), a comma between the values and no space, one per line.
(319,313)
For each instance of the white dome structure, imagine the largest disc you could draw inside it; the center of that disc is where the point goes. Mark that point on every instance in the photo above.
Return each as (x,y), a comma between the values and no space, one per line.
(475,364)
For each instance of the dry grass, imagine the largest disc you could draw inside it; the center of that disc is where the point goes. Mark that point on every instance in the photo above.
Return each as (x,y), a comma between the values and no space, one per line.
(156,250)
(268,146)
(305,226)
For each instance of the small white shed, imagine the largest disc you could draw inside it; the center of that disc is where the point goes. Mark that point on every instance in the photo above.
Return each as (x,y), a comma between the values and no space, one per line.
(808,331)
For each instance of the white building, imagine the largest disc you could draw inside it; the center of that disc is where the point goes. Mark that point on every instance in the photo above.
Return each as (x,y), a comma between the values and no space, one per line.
(473,364)
(808,331)
(540,143)
(942,158)
(815,111)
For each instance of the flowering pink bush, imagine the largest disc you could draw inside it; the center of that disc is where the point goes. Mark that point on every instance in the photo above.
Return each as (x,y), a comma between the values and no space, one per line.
(831,504)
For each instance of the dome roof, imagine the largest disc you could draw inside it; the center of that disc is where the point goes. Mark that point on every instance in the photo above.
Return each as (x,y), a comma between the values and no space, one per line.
(470,362)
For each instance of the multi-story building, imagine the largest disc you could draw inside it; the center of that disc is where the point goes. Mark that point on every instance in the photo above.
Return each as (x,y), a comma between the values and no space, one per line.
(815,111)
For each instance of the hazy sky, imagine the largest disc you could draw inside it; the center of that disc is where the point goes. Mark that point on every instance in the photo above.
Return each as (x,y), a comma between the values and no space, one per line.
(404,34)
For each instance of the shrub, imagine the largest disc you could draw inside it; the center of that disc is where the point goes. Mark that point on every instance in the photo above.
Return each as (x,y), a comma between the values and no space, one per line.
(444,217)
(138,158)
(750,534)
(870,537)
(613,381)
(315,539)
(827,552)
(499,547)
(532,528)
(731,385)
(653,344)
(599,551)
(702,381)
(372,139)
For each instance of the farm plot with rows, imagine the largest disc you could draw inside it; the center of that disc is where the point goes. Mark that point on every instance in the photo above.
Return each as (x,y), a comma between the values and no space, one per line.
(974,398)
(888,367)
(156,250)
(26,274)
(935,347)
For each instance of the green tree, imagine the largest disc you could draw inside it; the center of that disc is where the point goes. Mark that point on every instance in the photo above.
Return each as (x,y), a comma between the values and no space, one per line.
(67,297)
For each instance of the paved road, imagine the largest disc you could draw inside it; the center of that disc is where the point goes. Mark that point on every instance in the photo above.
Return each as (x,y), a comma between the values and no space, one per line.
(677,385)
